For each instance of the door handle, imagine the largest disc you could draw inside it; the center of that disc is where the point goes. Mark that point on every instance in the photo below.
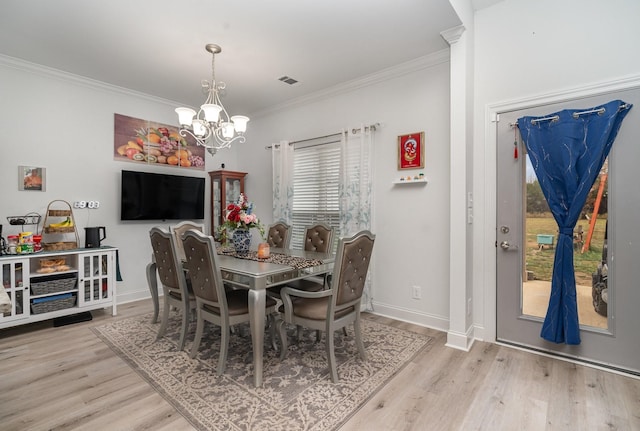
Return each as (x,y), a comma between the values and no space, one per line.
(506,246)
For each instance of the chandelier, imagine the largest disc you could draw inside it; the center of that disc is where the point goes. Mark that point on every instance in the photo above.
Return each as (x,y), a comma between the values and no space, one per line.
(211,126)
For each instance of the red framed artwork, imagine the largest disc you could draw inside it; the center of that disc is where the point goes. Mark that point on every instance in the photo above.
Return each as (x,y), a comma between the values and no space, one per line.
(411,151)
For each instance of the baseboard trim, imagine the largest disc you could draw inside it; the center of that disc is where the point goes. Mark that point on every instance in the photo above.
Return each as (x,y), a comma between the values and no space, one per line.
(123,298)
(410,316)
(460,340)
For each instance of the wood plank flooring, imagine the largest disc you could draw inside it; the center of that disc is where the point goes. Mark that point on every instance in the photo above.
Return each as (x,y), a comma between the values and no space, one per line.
(66,379)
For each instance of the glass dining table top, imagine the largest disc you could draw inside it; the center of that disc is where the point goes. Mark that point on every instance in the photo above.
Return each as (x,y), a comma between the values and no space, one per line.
(245,272)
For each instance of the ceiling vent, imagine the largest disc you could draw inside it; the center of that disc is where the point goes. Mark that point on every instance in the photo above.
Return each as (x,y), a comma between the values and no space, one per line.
(288,80)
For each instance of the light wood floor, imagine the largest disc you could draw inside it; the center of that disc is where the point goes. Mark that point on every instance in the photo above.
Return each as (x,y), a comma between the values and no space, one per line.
(67,379)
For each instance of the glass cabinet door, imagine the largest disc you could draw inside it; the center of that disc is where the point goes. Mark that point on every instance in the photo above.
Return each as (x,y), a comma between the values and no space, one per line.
(226,187)
(96,270)
(15,282)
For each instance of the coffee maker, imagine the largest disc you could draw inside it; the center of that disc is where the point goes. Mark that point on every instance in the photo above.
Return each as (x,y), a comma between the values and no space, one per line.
(93,236)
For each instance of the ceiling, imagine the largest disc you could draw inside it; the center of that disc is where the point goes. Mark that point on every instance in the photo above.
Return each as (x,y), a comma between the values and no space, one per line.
(157,47)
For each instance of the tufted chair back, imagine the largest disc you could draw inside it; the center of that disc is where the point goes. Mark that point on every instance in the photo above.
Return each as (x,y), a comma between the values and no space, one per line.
(202,264)
(178,230)
(165,258)
(279,235)
(355,255)
(318,237)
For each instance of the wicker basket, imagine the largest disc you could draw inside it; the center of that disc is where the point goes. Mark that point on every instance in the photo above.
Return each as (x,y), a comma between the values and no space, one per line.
(68,245)
(53,303)
(59,213)
(53,284)
(49,229)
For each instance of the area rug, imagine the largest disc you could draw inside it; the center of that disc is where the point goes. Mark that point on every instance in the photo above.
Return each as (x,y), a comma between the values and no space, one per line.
(297,393)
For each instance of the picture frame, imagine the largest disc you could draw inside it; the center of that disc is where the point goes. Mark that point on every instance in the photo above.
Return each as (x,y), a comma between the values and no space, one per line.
(411,151)
(32,178)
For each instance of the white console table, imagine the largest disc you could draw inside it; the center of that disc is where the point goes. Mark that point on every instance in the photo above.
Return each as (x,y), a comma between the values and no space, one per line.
(52,284)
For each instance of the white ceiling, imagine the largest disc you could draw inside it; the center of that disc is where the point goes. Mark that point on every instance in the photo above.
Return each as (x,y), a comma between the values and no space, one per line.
(157,47)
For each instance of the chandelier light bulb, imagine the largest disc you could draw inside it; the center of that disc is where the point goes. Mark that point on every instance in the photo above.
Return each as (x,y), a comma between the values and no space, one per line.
(185,116)
(240,123)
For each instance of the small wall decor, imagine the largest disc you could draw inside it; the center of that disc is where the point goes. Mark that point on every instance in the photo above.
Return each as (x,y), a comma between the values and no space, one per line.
(32,178)
(143,141)
(411,151)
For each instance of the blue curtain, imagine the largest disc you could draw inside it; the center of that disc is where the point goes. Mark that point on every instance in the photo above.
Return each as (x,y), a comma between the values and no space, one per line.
(567,150)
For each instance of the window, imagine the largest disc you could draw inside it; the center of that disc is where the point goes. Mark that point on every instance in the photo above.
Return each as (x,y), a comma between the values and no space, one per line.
(316,181)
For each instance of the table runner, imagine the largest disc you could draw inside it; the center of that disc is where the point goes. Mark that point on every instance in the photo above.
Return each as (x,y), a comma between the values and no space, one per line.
(279,258)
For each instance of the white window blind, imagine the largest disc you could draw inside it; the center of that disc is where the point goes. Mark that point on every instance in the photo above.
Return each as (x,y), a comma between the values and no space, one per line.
(316,178)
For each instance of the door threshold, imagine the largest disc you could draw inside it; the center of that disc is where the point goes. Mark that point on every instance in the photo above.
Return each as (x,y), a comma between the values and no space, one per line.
(575,360)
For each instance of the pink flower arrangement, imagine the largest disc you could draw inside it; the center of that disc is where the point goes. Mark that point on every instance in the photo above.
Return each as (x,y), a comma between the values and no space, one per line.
(240,216)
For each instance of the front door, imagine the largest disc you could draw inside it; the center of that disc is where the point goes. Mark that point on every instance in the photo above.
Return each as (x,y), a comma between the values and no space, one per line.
(606,246)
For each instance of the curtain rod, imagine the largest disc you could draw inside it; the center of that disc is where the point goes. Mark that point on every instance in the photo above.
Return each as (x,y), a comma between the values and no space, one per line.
(354,131)
(575,115)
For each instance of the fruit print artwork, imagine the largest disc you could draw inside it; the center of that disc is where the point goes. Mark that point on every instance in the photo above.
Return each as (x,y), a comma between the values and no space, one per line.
(142,141)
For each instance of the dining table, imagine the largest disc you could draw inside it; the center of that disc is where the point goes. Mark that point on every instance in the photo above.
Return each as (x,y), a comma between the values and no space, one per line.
(246,271)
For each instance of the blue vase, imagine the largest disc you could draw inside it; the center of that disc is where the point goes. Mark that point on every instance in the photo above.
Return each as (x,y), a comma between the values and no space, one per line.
(241,240)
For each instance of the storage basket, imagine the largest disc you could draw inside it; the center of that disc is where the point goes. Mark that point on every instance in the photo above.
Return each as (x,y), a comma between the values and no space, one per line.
(52,246)
(53,284)
(53,262)
(53,303)
(59,213)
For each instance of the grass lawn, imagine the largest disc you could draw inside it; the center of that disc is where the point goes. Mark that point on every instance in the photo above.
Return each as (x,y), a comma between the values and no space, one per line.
(541,261)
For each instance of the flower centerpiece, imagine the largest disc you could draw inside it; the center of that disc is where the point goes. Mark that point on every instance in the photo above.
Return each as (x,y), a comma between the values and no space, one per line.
(239,219)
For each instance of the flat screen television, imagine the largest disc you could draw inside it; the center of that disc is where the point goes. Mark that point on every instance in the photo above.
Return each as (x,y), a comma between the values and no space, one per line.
(148,196)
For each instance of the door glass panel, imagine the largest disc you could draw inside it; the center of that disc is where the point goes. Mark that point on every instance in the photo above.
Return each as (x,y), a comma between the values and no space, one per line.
(589,252)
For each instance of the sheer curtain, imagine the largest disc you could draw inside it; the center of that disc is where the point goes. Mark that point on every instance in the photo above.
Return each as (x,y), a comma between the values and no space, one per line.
(282,163)
(355,189)
(567,150)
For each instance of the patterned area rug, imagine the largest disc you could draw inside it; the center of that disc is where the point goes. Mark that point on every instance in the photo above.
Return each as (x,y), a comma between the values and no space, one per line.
(297,393)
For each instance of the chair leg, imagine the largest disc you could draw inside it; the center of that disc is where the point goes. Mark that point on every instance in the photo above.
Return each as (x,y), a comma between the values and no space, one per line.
(282,334)
(344,331)
(331,357)
(165,319)
(185,327)
(224,348)
(198,336)
(272,330)
(359,343)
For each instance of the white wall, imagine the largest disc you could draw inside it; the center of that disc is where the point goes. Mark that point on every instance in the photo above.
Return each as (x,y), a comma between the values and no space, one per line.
(411,222)
(527,51)
(65,124)
(73,139)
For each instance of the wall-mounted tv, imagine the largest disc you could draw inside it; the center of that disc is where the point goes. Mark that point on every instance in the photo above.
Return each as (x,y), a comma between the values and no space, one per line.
(148,196)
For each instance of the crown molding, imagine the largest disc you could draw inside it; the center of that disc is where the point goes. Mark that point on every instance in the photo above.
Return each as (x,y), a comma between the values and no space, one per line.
(383,75)
(49,72)
(453,34)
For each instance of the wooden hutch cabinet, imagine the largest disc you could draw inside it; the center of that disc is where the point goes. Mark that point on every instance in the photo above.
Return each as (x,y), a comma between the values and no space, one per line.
(226,187)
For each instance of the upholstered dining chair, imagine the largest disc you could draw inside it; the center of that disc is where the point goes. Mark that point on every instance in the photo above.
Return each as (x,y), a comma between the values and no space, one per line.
(339,305)
(174,283)
(214,303)
(178,230)
(318,237)
(279,235)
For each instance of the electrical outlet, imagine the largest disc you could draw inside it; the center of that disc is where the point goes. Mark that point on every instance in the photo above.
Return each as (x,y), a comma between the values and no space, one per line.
(416,292)
(469,304)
